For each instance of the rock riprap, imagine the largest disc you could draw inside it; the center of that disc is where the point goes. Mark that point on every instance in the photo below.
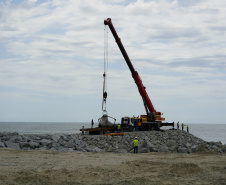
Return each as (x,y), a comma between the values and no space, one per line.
(175,141)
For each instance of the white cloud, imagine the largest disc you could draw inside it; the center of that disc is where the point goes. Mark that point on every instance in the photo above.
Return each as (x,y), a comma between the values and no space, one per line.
(55,48)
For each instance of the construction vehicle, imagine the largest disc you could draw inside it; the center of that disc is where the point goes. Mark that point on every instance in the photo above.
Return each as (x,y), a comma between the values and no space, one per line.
(127,124)
(152,119)
(104,126)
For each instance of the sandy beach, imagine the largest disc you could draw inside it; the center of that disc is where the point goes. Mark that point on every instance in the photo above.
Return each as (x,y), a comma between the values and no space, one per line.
(62,168)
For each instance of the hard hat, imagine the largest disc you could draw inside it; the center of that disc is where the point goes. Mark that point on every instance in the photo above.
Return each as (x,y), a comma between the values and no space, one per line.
(135,137)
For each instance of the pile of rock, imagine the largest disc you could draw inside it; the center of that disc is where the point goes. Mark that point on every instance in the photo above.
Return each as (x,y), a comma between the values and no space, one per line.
(176,141)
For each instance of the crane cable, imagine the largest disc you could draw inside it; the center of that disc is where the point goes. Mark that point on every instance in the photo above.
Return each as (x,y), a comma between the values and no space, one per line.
(105,68)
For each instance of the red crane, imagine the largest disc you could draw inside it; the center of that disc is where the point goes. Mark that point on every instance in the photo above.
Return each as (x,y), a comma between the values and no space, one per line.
(150,110)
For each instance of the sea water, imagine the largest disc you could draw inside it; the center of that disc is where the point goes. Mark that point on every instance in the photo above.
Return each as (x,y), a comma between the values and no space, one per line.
(207,132)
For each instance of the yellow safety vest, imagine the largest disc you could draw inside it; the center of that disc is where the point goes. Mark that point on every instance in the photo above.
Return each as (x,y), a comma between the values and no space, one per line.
(135,142)
(118,126)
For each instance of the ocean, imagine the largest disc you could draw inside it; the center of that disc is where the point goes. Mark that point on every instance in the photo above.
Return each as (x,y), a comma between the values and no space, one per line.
(207,132)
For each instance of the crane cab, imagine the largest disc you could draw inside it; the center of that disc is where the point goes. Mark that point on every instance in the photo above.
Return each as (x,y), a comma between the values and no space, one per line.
(127,124)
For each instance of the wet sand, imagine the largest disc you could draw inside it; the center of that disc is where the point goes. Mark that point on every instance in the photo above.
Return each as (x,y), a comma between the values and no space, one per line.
(64,168)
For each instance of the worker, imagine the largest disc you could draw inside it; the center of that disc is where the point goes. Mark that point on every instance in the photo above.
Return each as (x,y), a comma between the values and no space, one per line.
(178,125)
(187,129)
(136,127)
(82,130)
(92,123)
(182,126)
(118,128)
(135,142)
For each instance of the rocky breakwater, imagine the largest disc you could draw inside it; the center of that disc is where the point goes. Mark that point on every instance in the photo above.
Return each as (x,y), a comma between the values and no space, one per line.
(175,141)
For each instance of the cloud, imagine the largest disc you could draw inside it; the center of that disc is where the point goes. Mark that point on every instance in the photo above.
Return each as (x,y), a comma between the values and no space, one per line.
(56,48)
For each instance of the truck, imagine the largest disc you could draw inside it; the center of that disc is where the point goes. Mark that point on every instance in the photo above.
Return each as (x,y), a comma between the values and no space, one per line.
(152,119)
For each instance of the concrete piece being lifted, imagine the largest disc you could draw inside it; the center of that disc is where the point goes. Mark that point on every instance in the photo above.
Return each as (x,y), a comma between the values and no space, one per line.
(104,122)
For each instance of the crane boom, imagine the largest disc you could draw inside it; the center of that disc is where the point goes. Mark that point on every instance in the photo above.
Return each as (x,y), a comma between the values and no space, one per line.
(142,90)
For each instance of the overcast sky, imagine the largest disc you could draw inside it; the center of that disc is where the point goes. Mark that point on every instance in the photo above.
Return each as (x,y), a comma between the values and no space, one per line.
(52,59)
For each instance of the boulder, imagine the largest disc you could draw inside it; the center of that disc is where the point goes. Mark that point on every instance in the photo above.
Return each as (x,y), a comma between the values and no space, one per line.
(188,146)
(30,144)
(56,137)
(82,150)
(70,150)
(65,137)
(45,142)
(182,150)
(9,144)
(93,149)
(171,143)
(173,148)
(194,148)
(2,144)
(24,145)
(55,145)
(33,144)
(162,148)
(16,139)
(151,147)
(61,141)
(70,144)
(110,149)
(214,147)
(53,149)
(201,148)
